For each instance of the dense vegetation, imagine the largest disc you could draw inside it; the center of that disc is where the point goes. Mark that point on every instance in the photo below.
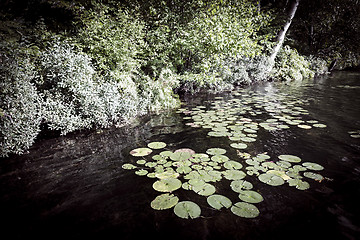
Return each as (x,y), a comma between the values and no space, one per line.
(70,65)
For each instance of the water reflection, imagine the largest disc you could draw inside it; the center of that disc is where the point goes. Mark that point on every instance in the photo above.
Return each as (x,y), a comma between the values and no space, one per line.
(74,186)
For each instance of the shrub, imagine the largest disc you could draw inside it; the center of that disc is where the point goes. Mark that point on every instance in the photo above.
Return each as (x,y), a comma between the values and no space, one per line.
(20,104)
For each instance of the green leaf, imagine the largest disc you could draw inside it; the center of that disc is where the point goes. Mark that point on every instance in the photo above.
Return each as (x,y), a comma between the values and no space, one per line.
(250,196)
(164,201)
(290,158)
(245,210)
(299,184)
(128,166)
(238,145)
(216,151)
(167,185)
(232,165)
(204,190)
(141,172)
(140,152)
(234,174)
(271,179)
(218,201)
(156,145)
(187,209)
(313,166)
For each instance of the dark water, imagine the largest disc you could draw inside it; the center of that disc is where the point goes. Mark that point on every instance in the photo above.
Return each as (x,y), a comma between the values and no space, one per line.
(74,186)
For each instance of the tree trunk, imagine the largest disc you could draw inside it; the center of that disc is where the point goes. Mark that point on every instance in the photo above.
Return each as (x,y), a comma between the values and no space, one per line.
(281,35)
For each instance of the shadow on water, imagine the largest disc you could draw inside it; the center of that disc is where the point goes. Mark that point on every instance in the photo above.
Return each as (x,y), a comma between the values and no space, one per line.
(74,186)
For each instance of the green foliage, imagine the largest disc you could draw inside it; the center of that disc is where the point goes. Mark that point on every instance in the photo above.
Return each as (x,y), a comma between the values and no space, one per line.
(291,66)
(20,103)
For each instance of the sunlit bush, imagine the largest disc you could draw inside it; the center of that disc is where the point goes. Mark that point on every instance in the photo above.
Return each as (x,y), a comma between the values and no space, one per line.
(20,104)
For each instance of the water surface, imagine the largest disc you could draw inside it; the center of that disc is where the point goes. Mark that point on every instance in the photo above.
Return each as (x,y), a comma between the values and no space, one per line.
(74,186)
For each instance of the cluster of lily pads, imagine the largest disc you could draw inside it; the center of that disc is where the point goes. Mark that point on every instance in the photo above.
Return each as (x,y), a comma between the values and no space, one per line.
(186,169)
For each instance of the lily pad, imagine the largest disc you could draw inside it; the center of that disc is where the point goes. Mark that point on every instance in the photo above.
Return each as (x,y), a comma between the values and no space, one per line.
(315,176)
(164,201)
(128,166)
(219,158)
(167,185)
(246,210)
(167,174)
(156,145)
(290,158)
(271,179)
(240,185)
(183,169)
(204,190)
(299,184)
(313,166)
(141,162)
(234,174)
(219,201)
(141,172)
(187,209)
(232,165)
(180,156)
(216,151)
(238,145)
(251,196)
(140,152)
(319,125)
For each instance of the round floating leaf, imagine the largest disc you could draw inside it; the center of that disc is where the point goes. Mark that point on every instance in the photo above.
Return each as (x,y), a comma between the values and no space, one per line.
(187,209)
(180,156)
(290,158)
(240,185)
(247,139)
(315,176)
(128,166)
(219,201)
(299,184)
(186,150)
(250,196)
(167,185)
(303,126)
(150,164)
(234,174)
(246,210)
(156,145)
(140,152)
(319,125)
(196,181)
(183,169)
(220,158)
(167,174)
(141,172)
(313,166)
(166,153)
(279,173)
(232,165)
(238,145)
(164,201)
(271,179)
(141,162)
(204,190)
(216,151)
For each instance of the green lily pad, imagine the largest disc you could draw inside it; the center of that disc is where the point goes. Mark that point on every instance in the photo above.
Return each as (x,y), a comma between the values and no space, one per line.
(271,179)
(315,176)
(180,156)
(304,126)
(187,209)
(140,152)
(167,185)
(250,196)
(128,166)
(166,153)
(299,184)
(313,166)
(216,151)
(141,162)
(204,190)
(141,172)
(281,174)
(290,158)
(219,201)
(219,158)
(156,145)
(238,145)
(164,201)
(246,210)
(319,125)
(234,174)
(150,164)
(183,169)
(232,165)
(240,185)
